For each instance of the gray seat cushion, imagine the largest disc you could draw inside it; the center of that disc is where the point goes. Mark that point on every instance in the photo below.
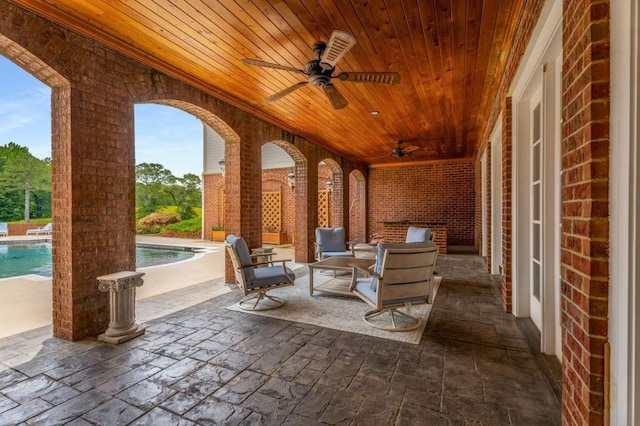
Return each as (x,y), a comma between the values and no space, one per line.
(244,257)
(364,286)
(337,254)
(418,235)
(332,239)
(271,275)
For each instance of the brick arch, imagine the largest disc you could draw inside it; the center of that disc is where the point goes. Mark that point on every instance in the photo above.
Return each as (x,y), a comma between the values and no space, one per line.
(207,117)
(296,155)
(334,172)
(31,63)
(293,213)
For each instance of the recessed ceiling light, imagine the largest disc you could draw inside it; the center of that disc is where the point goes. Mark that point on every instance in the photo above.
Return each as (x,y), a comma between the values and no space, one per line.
(375,112)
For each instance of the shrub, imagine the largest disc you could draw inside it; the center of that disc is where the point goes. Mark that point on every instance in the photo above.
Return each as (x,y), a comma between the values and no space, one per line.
(159,219)
(153,223)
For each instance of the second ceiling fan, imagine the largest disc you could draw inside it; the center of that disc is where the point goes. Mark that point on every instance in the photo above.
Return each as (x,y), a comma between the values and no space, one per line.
(320,71)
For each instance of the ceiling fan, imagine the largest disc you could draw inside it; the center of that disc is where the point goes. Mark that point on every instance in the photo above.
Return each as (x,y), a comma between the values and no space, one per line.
(400,151)
(320,70)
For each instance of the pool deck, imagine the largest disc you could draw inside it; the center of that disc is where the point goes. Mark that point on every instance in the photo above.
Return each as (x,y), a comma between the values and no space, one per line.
(26,300)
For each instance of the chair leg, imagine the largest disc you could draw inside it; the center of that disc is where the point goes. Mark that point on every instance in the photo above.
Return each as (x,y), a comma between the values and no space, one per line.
(414,322)
(261,303)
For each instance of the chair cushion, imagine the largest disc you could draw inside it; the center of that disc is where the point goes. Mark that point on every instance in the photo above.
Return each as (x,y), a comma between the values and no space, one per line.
(332,239)
(244,257)
(270,276)
(383,246)
(418,235)
(337,254)
(366,288)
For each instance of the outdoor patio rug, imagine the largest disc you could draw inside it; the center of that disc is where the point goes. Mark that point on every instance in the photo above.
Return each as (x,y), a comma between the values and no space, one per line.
(339,313)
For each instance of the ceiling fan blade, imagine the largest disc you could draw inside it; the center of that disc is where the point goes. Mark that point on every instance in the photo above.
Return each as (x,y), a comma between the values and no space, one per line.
(286,91)
(370,77)
(337,100)
(260,63)
(411,148)
(339,44)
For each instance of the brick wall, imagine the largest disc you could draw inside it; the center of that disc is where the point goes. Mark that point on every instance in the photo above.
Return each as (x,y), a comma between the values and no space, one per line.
(357,208)
(434,192)
(397,233)
(507,224)
(585,209)
(21,228)
(93,164)
(212,203)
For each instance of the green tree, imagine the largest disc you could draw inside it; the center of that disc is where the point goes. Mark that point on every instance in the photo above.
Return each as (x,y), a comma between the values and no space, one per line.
(188,195)
(153,182)
(21,171)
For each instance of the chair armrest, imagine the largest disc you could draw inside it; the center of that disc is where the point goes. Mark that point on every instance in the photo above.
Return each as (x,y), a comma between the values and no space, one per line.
(351,245)
(271,262)
(268,256)
(318,250)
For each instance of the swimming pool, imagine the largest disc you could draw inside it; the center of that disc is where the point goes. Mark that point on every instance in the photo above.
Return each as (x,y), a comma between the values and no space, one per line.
(34,257)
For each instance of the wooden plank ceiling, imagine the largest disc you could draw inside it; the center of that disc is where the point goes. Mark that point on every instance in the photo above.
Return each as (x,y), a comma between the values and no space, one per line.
(449,53)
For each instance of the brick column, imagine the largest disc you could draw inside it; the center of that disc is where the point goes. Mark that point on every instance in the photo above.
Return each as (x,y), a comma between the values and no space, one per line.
(585,209)
(243,187)
(306,209)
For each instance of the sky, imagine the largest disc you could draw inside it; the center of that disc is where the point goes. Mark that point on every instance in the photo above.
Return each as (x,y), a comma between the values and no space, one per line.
(163,134)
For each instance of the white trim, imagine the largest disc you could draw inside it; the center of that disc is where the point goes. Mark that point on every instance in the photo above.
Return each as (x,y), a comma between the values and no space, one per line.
(548,25)
(496,197)
(521,211)
(483,201)
(545,46)
(624,204)
(551,152)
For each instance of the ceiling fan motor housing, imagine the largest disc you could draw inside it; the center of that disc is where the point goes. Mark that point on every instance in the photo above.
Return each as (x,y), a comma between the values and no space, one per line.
(318,76)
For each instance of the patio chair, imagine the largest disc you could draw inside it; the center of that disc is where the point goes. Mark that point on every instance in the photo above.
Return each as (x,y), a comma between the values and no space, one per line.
(4,229)
(255,281)
(402,277)
(418,235)
(44,230)
(331,242)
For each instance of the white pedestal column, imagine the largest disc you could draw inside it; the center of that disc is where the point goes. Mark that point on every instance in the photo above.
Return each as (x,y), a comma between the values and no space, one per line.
(122,305)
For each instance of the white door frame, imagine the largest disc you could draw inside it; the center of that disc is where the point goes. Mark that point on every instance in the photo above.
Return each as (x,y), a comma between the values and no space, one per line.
(624,205)
(551,214)
(544,48)
(496,198)
(483,202)
(533,142)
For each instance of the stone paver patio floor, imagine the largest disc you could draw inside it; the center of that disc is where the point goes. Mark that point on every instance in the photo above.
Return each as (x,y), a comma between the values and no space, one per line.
(209,365)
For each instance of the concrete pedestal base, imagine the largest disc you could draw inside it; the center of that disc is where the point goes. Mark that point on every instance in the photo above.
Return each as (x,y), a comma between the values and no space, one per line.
(115,340)
(122,305)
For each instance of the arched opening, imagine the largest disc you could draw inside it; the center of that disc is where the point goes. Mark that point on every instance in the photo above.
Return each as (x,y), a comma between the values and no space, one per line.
(278,196)
(330,193)
(30,85)
(283,171)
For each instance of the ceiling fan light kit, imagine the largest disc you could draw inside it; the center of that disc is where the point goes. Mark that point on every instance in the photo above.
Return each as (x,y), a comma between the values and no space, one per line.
(320,71)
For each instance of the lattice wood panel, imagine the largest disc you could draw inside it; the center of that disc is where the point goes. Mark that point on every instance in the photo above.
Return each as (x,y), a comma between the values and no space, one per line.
(272,211)
(323,209)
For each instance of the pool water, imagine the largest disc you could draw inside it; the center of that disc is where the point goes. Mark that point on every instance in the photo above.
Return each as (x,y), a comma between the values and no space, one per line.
(35,258)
